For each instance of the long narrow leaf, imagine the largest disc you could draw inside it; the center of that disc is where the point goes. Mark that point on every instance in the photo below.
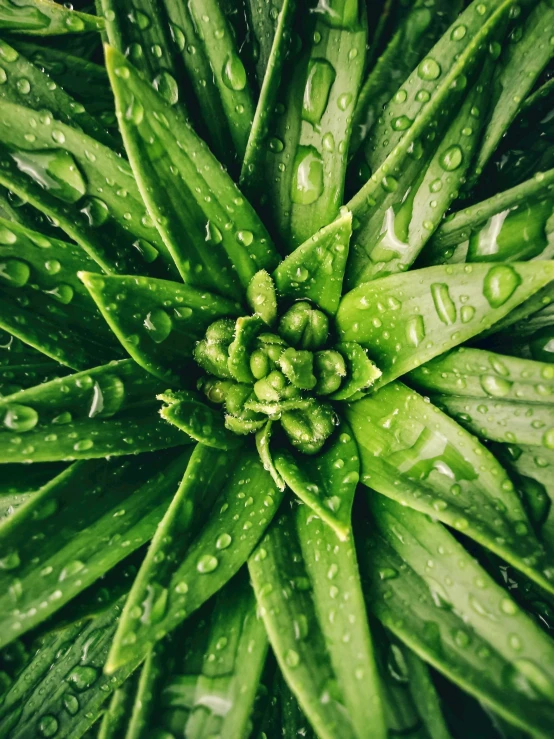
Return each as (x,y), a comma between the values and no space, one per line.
(45,18)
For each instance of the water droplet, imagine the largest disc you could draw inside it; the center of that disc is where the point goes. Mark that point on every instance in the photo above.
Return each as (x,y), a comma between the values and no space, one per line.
(20,418)
(234,73)
(458,33)
(467,313)
(10,562)
(444,305)
(292,658)
(96,211)
(402,123)
(48,725)
(167,86)
(321,76)
(452,158)
(500,284)
(429,69)
(415,330)
(207,563)
(158,324)
(14,273)
(307,180)
(223,541)
(72,568)
(71,704)
(55,171)
(63,293)
(82,677)
(498,387)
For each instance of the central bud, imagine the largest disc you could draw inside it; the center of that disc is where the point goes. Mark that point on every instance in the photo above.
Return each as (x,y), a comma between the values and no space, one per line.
(287,374)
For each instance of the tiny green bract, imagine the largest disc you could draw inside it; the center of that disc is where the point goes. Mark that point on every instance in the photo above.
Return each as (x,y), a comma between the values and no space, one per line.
(277,369)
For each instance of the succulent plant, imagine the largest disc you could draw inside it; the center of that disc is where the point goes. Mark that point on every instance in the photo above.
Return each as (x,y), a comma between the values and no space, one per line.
(276,369)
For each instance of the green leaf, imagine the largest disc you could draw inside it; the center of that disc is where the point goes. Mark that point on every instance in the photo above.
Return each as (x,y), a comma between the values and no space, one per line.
(426,101)
(140,31)
(80,537)
(308,591)
(415,454)
(110,410)
(315,270)
(246,331)
(206,685)
(157,321)
(45,18)
(361,373)
(227,68)
(306,154)
(215,520)
(513,225)
(15,377)
(262,298)
(273,38)
(454,616)
(518,69)
(326,482)
(197,419)
(114,720)
(388,239)
(62,684)
(61,171)
(28,85)
(263,438)
(214,235)
(418,315)
(476,373)
(43,302)
(418,28)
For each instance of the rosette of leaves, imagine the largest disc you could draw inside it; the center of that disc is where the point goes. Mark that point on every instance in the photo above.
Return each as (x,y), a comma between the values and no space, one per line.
(211,362)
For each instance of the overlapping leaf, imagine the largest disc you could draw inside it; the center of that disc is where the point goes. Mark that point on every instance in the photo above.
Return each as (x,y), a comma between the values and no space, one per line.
(434,596)
(404,321)
(80,525)
(220,512)
(45,18)
(308,591)
(214,235)
(415,454)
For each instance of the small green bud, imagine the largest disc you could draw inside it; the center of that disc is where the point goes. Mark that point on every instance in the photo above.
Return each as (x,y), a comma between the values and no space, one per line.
(271,387)
(297,366)
(212,357)
(308,429)
(304,327)
(215,390)
(235,399)
(330,369)
(272,345)
(222,330)
(262,297)
(259,364)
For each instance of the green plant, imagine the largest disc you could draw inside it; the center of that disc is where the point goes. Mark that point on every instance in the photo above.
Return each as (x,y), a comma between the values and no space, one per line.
(276,369)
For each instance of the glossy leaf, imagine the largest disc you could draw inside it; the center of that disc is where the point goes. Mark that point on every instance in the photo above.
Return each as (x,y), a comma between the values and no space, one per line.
(227,68)
(62,172)
(114,721)
(43,302)
(510,226)
(110,410)
(307,150)
(197,419)
(158,322)
(45,18)
(413,320)
(477,373)
(429,96)
(15,377)
(416,455)
(28,85)
(325,483)
(274,39)
(190,196)
(79,532)
(456,617)
(217,517)
(308,592)
(519,67)
(315,270)
(418,28)
(361,372)
(62,685)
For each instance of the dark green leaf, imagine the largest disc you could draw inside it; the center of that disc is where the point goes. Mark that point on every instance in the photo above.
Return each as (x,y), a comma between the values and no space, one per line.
(187,191)
(453,615)
(315,270)
(43,302)
(79,525)
(415,454)
(45,18)
(307,586)
(114,721)
(109,410)
(326,482)
(157,321)
(221,510)
(407,319)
